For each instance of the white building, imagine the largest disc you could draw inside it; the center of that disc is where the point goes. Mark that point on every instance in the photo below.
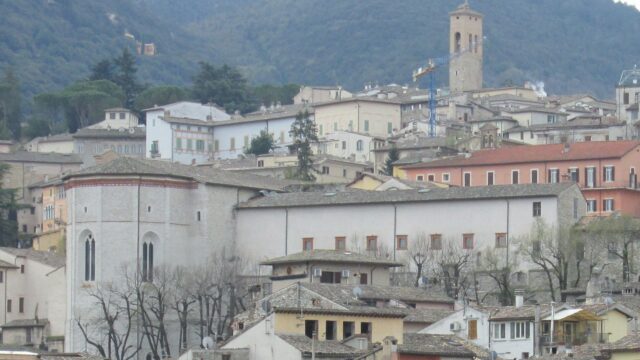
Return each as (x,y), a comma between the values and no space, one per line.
(33,292)
(469,323)
(628,95)
(117,118)
(182,132)
(133,211)
(232,137)
(349,145)
(387,222)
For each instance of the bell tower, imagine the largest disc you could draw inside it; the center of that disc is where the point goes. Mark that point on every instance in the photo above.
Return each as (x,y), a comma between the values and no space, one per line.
(465,47)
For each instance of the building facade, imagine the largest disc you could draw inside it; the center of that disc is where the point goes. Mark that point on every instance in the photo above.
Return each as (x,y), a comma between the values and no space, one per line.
(606,171)
(465,47)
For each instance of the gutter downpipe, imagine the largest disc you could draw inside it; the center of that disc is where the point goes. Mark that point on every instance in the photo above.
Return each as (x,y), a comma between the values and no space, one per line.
(395,227)
(286,231)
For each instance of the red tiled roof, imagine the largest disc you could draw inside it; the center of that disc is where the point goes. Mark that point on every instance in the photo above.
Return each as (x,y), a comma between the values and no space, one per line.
(536,153)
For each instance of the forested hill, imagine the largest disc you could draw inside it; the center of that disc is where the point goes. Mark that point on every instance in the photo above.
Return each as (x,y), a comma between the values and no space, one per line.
(571,45)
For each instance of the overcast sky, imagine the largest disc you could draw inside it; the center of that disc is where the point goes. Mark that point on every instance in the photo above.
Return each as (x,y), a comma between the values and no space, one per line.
(635,3)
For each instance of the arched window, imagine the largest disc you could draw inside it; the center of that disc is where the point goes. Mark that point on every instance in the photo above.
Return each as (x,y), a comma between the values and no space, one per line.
(458,39)
(359,145)
(90,258)
(147,261)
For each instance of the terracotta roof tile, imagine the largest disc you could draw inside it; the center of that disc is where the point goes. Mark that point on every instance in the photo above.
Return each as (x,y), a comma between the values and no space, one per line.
(537,153)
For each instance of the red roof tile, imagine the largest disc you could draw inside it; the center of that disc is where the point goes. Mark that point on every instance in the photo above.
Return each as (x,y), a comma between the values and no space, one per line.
(536,153)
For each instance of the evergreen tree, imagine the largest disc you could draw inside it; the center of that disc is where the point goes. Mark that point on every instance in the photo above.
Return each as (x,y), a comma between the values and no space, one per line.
(10,99)
(8,213)
(261,144)
(125,77)
(303,131)
(224,86)
(392,157)
(103,70)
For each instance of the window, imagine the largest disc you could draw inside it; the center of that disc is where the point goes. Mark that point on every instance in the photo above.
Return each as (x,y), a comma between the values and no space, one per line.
(446,177)
(216,145)
(147,261)
(307,244)
(365,328)
(372,243)
(363,279)
(198,217)
(501,240)
(325,170)
(366,125)
(281,137)
(500,331)
(330,330)
(537,208)
(22,269)
(331,277)
(401,242)
(490,176)
(389,128)
(419,177)
(24,228)
(515,177)
(436,241)
(574,175)
(344,145)
(609,174)
(232,143)
(520,330)
(607,205)
(21,305)
(311,328)
(467,179)
(467,241)
(587,138)
(592,206)
(9,305)
(348,329)
(200,145)
(534,176)
(341,243)
(112,116)
(551,119)
(359,145)
(626,98)
(1,276)
(472,329)
(590,177)
(122,116)
(554,176)
(90,259)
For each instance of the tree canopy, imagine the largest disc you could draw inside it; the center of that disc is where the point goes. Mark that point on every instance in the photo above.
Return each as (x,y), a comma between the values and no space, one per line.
(224,86)
(261,144)
(303,132)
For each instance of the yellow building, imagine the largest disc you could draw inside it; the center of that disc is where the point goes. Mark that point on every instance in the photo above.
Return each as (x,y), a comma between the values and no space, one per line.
(366,115)
(627,348)
(376,182)
(615,319)
(54,217)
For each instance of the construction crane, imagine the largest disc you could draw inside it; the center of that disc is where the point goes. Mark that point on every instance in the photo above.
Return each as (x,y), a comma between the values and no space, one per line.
(429,69)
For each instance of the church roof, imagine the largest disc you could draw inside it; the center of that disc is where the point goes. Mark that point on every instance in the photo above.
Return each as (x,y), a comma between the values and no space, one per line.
(465,9)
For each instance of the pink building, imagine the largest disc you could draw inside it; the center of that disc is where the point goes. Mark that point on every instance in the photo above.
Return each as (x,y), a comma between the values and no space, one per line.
(606,171)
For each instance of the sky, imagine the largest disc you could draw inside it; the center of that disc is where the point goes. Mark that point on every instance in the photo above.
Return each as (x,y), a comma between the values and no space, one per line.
(635,3)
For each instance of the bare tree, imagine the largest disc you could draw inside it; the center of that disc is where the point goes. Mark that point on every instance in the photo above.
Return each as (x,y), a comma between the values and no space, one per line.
(499,268)
(621,232)
(183,301)
(453,267)
(154,299)
(419,252)
(116,312)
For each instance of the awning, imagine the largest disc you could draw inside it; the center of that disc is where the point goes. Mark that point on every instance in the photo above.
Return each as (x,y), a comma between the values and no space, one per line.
(573,314)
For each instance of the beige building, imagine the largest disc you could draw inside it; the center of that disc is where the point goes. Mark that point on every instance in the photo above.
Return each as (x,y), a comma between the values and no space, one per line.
(5,146)
(465,46)
(329,267)
(316,94)
(59,143)
(368,115)
(33,305)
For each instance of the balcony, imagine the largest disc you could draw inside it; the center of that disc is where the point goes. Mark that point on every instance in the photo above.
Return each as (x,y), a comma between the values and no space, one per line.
(570,340)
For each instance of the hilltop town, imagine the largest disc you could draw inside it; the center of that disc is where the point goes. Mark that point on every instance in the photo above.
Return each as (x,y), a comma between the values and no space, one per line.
(385,223)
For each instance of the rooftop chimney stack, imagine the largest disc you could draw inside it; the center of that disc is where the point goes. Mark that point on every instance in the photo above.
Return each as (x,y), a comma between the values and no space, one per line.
(519,298)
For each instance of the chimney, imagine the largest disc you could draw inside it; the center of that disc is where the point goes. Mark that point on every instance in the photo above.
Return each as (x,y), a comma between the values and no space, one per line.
(519,298)
(566,147)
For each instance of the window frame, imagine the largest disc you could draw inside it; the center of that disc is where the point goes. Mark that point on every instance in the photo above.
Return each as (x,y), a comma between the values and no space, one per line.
(594,208)
(531,172)
(399,242)
(537,208)
(608,173)
(305,242)
(464,179)
(493,178)
(372,239)
(343,240)
(515,177)
(465,238)
(448,177)
(435,239)
(501,241)
(608,205)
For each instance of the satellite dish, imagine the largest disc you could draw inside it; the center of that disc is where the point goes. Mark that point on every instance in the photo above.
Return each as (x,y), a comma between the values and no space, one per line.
(208,343)
(132,130)
(357,291)
(608,301)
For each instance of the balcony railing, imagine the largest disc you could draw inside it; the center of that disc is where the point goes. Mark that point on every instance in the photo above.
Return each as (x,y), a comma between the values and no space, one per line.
(575,339)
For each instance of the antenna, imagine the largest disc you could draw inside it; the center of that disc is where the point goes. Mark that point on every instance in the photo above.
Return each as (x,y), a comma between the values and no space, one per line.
(208,343)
